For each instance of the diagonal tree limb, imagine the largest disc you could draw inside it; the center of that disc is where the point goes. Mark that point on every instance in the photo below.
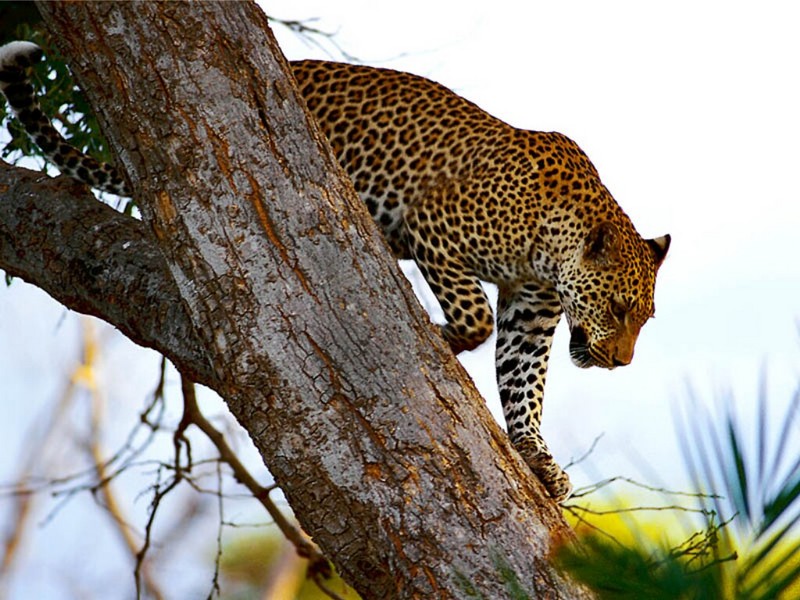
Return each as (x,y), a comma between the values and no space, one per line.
(318,567)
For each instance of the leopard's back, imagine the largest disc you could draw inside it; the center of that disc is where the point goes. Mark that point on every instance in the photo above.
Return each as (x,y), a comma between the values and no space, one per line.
(396,135)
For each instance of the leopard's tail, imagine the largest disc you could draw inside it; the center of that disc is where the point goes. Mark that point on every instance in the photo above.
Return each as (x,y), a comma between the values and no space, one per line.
(16,58)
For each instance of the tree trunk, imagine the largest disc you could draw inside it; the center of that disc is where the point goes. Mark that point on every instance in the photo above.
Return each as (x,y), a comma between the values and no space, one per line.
(276,290)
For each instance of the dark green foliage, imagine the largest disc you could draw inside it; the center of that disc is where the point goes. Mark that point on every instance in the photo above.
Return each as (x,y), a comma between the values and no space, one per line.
(60,99)
(14,14)
(619,572)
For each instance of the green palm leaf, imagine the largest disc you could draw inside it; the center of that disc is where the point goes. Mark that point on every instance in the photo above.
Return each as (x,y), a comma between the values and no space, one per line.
(746,473)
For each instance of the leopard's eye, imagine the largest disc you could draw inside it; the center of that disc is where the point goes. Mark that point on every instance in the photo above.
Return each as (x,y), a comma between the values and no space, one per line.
(618,310)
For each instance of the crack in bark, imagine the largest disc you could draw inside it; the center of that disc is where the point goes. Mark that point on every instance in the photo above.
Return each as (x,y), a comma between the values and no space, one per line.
(256,200)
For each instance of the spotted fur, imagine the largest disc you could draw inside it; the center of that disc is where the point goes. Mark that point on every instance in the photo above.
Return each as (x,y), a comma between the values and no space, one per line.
(470,199)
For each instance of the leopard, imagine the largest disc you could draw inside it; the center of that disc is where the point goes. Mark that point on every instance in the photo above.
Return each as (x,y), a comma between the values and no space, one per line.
(470,199)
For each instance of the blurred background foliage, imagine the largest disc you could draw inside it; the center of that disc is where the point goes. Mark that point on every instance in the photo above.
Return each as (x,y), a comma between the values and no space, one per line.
(265,565)
(746,546)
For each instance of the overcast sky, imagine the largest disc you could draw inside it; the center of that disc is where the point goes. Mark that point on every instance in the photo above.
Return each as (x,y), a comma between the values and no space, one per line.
(688,110)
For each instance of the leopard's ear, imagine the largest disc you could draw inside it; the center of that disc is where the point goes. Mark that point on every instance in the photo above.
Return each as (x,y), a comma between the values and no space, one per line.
(659,246)
(603,243)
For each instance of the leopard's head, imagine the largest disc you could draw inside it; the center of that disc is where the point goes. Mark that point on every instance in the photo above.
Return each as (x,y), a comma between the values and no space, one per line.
(606,290)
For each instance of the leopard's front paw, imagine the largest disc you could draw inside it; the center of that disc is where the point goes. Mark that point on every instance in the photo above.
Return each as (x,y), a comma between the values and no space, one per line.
(544,466)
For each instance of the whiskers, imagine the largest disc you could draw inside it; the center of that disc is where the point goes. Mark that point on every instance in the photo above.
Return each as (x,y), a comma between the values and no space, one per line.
(579,349)
(581,356)
(584,355)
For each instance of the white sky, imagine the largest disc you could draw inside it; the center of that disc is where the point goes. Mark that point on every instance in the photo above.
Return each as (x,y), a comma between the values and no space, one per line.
(689,111)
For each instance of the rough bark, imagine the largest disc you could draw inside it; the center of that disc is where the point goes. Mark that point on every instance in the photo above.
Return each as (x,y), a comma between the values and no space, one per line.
(288,304)
(57,236)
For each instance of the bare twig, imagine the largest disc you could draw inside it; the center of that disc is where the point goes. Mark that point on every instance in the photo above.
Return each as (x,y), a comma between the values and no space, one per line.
(319,568)
(634,509)
(313,36)
(220,527)
(159,494)
(590,489)
(585,455)
(109,502)
(179,441)
(583,521)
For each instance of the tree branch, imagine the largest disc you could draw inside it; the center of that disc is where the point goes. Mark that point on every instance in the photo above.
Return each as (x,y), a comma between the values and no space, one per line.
(55,235)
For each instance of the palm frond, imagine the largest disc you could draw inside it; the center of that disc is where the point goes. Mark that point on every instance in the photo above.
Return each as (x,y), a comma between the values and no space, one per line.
(758,482)
(745,472)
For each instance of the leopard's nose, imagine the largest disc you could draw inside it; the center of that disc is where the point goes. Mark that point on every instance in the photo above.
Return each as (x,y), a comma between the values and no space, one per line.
(622,357)
(623,352)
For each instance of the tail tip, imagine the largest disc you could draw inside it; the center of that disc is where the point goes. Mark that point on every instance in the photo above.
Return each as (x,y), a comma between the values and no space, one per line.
(19,54)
